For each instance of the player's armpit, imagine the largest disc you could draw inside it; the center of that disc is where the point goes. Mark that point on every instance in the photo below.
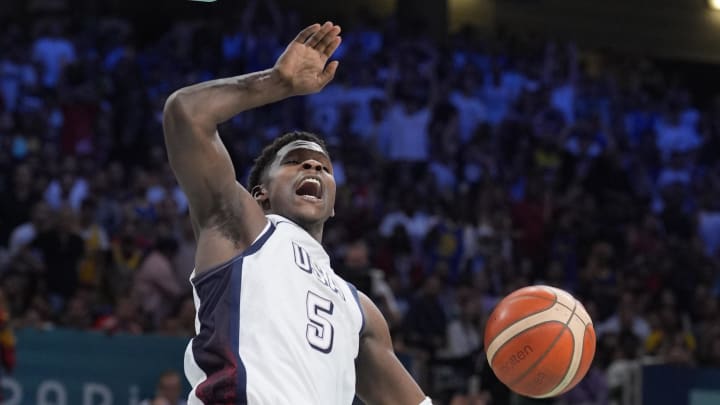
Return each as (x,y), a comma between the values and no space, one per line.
(205,172)
(381,378)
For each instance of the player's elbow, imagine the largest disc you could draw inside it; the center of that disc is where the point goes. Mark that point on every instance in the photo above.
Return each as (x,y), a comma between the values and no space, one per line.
(177,108)
(180,117)
(182,113)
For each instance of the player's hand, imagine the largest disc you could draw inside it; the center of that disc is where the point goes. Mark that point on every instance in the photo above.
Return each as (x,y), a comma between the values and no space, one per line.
(303,66)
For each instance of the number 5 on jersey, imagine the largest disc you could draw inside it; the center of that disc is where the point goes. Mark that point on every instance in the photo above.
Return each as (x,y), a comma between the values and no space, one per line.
(319,331)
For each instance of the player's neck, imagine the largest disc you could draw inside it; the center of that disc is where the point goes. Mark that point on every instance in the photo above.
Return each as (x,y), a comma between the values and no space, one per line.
(315,229)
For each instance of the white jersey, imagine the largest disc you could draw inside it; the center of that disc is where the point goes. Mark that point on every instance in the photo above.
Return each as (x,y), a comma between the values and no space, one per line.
(275,325)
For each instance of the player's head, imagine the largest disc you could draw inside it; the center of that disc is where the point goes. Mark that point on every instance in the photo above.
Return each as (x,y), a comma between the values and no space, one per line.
(169,386)
(293,177)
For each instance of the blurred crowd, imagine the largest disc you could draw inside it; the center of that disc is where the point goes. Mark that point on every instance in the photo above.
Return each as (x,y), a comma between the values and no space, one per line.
(465,169)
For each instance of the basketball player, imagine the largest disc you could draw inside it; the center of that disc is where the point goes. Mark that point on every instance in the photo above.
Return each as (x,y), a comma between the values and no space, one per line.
(274,325)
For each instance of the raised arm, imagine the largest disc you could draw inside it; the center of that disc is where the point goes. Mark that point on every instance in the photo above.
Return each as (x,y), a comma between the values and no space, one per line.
(381,378)
(225,217)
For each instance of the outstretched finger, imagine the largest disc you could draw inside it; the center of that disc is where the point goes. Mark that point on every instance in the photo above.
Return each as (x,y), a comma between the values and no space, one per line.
(329,72)
(319,35)
(332,46)
(328,39)
(307,33)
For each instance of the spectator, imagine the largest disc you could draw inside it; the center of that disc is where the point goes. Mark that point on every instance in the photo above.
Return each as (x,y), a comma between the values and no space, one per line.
(408,120)
(97,244)
(127,256)
(625,319)
(713,358)
(77,313)
(357,270)
(376,129)
(471,109)
(155,285)
(24,234)
(168,390)
(184,261)
(669,341)
(53,51)
(464,334)
(126,318)
(7,338)
(17,202)
(675,134)
(17,76)
(61,249)
(591,390)
(425,322)
(69,189)
(708,220)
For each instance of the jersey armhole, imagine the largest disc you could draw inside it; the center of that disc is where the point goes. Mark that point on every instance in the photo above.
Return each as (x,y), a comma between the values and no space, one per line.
(253,248)
(354,292)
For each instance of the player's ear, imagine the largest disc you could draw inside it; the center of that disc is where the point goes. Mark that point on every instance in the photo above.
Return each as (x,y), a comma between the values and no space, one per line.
(256,192)
(259,193)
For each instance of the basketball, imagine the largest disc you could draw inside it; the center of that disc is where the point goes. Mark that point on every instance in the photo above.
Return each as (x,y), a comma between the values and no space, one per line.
(540,341)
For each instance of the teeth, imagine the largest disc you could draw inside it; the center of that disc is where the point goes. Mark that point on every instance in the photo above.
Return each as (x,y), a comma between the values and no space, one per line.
(316,181)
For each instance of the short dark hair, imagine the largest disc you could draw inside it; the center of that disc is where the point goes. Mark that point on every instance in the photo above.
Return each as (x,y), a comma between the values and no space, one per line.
(167,245)
(268,153)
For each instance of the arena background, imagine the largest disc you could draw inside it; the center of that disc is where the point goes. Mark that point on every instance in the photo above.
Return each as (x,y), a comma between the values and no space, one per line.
(571,143)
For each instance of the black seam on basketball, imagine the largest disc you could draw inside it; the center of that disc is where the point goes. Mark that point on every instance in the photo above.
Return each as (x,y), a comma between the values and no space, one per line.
(561,304)
(550,290)
(571,315)
(572,353)
(542,298)
(585,324)
(518,334)
(546,352)
(516,321)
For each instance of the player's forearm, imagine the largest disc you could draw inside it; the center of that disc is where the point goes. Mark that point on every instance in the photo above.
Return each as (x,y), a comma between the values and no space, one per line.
(210,103)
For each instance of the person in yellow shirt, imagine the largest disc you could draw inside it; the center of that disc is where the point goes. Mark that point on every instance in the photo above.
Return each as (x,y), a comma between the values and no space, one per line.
(669,341)
(96,245)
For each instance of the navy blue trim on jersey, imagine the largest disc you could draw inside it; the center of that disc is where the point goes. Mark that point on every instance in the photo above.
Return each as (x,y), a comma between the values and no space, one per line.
(259,242)
(354,292)
(289,222)
(234,321)
(216,348)
(282,221)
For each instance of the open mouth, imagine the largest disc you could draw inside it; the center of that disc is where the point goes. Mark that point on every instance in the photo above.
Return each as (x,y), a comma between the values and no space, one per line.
(310,188)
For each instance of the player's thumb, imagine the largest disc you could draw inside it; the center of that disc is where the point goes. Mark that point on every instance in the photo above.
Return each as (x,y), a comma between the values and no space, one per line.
(329,72)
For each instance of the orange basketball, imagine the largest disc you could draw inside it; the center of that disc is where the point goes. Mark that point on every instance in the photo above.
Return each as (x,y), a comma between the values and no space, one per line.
(540,341)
